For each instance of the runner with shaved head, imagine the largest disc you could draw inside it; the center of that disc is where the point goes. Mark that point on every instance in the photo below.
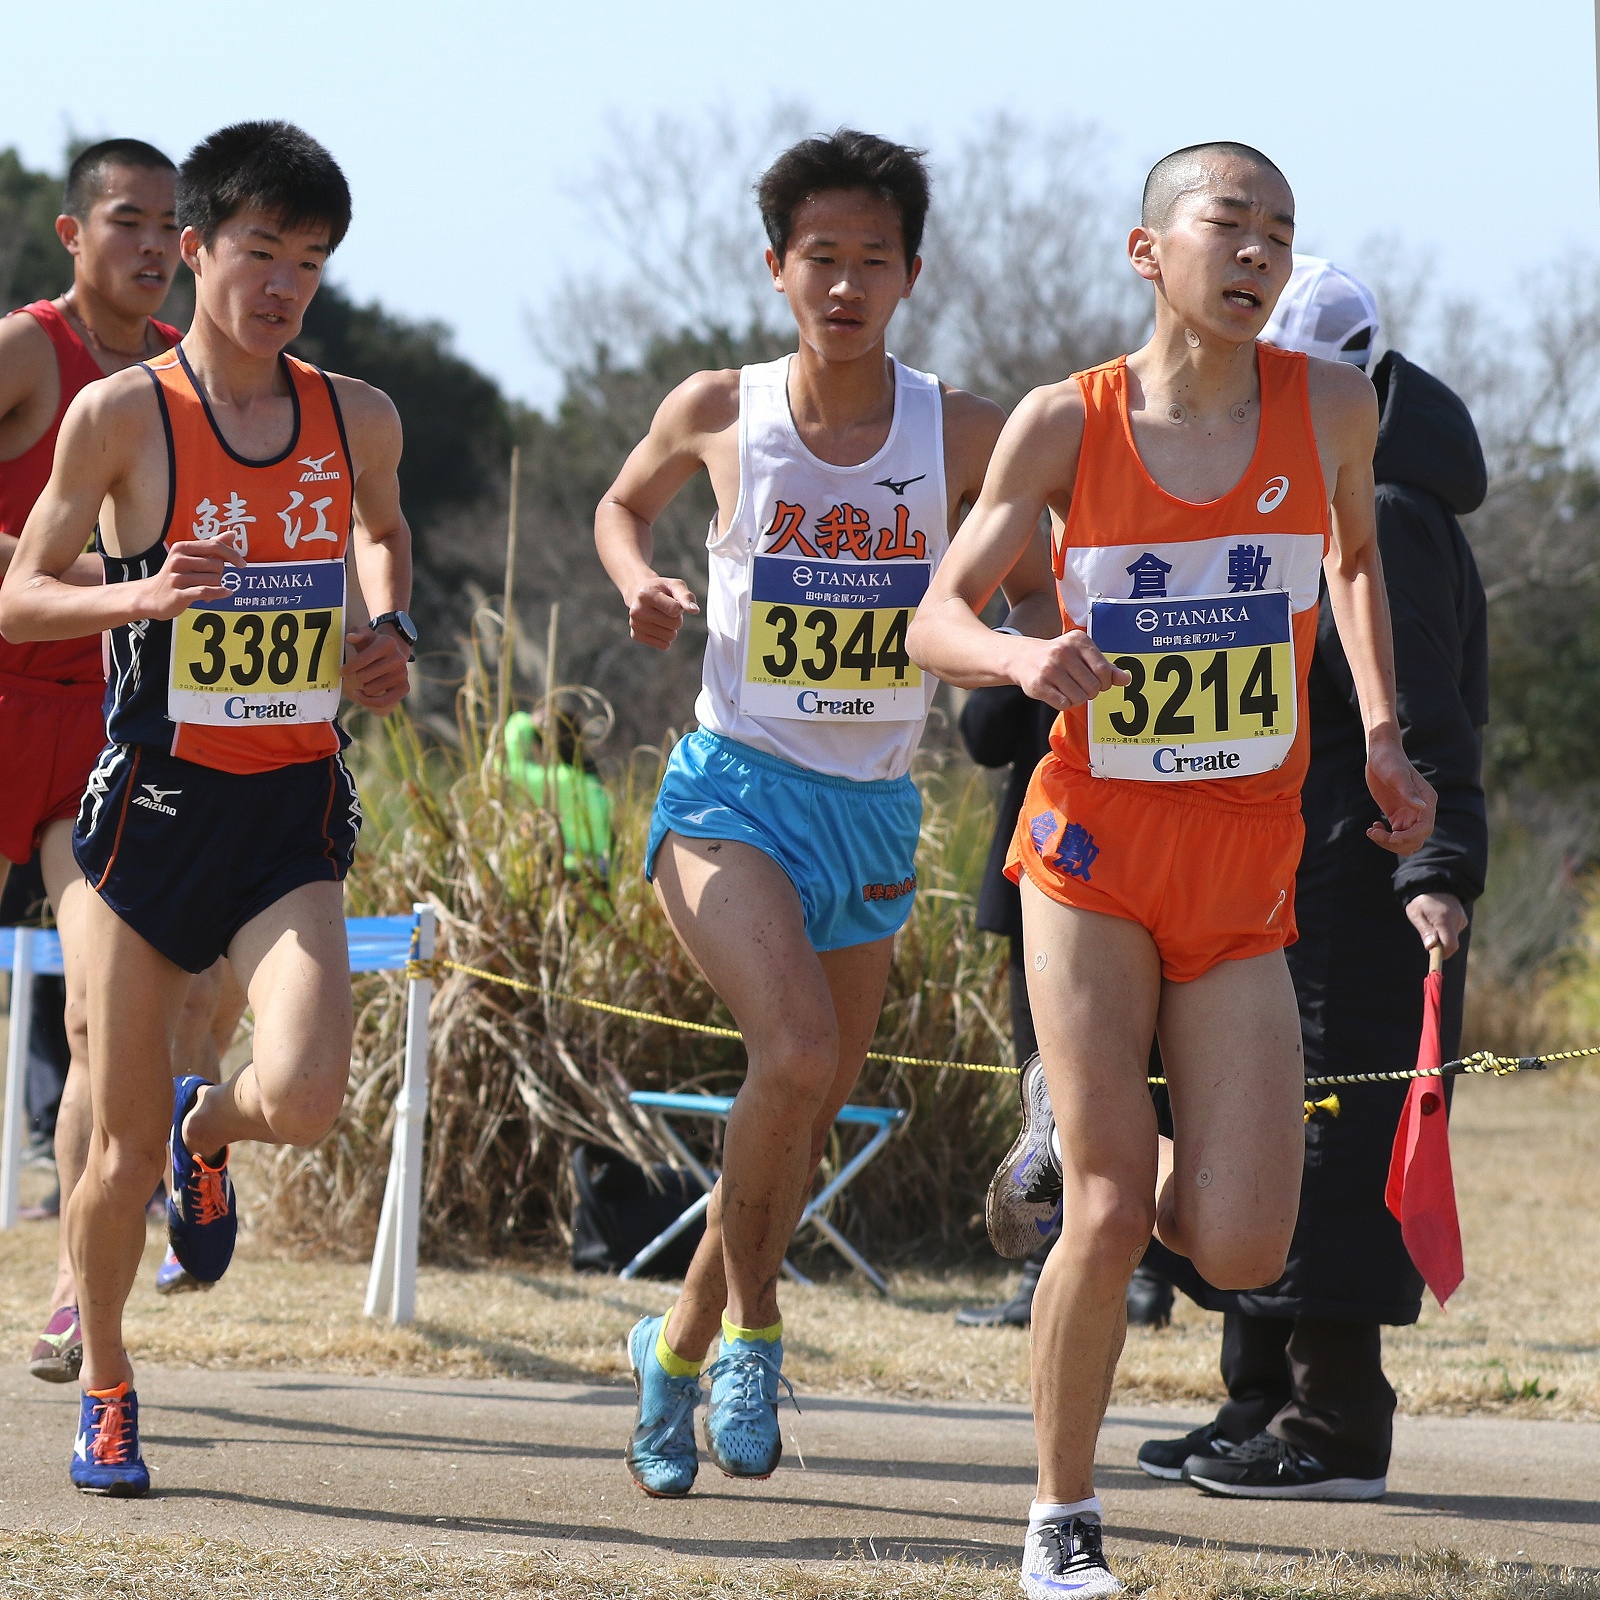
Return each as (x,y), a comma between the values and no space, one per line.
(1198,490)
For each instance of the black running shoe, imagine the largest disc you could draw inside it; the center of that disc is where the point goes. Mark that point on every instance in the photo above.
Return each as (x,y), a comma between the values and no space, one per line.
(1165,1458)
(1269,1468)
(1024,1201)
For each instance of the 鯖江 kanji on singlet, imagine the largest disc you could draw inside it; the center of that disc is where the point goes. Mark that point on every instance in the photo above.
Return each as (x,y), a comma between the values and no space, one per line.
(249,683)
(814,583)
(1210,608)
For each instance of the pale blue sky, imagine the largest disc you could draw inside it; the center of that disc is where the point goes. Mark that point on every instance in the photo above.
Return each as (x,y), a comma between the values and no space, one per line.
(1467,127)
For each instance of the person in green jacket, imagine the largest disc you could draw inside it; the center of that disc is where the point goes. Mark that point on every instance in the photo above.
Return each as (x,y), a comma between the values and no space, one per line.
(580,801)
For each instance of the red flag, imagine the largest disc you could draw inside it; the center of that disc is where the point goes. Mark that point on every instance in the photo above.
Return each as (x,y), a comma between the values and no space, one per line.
(1421,1191)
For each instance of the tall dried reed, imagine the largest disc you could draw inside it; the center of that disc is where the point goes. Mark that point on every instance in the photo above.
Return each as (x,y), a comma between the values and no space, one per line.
(517,1078)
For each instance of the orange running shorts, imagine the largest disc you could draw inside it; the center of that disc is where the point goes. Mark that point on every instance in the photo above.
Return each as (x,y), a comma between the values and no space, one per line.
(1211,880)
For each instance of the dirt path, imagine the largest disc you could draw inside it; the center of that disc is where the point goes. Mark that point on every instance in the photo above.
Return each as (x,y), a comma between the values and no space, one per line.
(306,1460)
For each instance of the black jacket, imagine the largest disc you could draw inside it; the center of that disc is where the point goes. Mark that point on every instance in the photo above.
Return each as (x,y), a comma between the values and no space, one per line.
(1358,966)
(1003,727)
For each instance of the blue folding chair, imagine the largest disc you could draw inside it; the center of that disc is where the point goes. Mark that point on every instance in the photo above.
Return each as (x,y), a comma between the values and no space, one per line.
(882,1119)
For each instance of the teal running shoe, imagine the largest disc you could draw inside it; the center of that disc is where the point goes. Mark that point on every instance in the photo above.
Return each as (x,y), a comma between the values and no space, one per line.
(742,1432)
(661,1454)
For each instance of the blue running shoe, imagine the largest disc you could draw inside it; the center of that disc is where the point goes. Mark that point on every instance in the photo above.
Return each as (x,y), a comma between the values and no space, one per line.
(742,1433)
(105,1455)
(661,1454)
(171,1278)
(202,1220)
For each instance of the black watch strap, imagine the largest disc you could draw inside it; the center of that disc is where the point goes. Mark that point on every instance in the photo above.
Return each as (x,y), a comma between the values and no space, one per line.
(403,625)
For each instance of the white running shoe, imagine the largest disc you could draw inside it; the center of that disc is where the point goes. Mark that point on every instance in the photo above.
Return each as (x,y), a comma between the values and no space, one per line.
(1063,1561)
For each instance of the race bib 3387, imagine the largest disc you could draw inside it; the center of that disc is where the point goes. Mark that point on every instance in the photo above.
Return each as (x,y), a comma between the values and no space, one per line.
(1213,690)
(267,655)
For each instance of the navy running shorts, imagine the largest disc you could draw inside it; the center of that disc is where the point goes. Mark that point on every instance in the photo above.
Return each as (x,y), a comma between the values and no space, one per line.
(187,855)
(849,848)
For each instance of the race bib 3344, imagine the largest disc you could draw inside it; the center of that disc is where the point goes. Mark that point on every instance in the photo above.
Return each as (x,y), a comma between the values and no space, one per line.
(827,640)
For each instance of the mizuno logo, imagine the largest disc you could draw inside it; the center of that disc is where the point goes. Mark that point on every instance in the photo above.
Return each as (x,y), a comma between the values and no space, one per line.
(154,799)
(898,489)
(1272,495)
(316,466)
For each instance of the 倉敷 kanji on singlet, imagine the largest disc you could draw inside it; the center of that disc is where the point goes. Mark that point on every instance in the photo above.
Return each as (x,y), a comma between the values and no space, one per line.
(1210,608)
(814,583)
(1174,800)
(251,682)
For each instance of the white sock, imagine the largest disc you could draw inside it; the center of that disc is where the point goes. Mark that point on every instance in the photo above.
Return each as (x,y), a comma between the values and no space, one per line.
(1041,1511)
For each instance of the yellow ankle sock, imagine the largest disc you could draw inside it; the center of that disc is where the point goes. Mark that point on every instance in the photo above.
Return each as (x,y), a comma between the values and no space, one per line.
(769,1335)
(674,1365)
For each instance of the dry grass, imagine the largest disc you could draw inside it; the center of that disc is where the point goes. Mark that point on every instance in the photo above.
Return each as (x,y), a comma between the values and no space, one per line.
(1522,1336)
(516,1077)
(71,1567)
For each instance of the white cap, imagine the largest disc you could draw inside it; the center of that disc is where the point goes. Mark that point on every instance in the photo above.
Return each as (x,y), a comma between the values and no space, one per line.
(1324,311)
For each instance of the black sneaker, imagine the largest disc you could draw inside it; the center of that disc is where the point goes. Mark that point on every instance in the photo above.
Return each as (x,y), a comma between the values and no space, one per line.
(1269,1468)
(1024,1200)
(1165,1458)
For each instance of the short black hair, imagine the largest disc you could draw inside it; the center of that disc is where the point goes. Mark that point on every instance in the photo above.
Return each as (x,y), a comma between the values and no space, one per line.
(86,177)
(845,159)
(273,166)
(1185,170)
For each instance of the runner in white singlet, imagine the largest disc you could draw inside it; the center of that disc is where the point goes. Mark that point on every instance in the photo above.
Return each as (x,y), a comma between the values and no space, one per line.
(783,842)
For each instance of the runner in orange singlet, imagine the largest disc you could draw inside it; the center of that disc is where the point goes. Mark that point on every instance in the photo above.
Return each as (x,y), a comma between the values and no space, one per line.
(1189,487)
(225,482)
(118,224)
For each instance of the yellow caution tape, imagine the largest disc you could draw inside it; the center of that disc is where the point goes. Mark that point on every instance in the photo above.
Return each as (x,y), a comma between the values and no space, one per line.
(1481,1062)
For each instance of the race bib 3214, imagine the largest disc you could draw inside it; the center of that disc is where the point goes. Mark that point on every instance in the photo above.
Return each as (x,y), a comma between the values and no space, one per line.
(1212,692)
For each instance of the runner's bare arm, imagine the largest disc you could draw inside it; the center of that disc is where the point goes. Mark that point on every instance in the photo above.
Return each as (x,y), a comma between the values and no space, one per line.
(972,428)
(375,674)
(102,436)
(659,466)
(1345,411)
(29,394)
(1032,468)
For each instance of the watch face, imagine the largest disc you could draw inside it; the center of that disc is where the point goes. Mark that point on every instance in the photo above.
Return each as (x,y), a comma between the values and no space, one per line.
(404,626)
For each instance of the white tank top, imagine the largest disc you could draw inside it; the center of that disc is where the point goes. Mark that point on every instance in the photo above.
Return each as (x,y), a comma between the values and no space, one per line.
(815,581)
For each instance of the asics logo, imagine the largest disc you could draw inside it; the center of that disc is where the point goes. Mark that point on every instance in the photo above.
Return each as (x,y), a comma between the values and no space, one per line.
(317,465)
(1272,495)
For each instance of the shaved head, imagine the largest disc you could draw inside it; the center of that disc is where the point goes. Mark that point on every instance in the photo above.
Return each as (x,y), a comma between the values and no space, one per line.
(1190,171)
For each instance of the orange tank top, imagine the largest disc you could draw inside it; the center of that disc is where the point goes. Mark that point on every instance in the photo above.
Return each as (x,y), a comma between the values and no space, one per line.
(1211,607)
(250,683)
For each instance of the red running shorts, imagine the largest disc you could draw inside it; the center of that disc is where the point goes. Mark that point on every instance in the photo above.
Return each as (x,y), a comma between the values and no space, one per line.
(50,737)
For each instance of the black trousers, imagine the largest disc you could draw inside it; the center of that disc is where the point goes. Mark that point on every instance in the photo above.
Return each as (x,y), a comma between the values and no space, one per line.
(1314,1382)
(1024,1042)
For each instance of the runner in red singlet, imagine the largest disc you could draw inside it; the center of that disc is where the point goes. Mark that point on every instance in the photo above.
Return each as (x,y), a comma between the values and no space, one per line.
(118,223)
(224,483)
(1198,490)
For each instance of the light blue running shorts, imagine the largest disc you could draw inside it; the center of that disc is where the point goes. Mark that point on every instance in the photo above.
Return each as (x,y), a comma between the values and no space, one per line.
(849,848)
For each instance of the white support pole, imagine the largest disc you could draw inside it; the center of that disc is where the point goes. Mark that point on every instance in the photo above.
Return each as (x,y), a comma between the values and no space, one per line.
(20,1028)
(394,1262)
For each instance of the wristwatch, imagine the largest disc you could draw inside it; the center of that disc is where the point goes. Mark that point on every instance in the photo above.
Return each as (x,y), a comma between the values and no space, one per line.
(403,625)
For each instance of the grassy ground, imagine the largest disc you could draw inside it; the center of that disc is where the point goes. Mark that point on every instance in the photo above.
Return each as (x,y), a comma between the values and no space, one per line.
(1522,1336)
(70,1567)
